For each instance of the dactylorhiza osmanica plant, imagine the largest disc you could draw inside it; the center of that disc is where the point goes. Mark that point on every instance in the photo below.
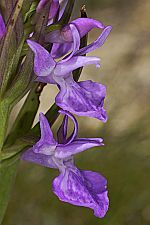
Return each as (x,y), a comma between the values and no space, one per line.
(39,45)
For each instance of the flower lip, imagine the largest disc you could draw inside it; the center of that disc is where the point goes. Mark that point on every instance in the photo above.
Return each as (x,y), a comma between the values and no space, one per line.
(82,188)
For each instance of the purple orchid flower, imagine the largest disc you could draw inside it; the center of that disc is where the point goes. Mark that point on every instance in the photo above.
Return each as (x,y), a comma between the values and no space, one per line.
(77,187)
(83,98)
(63,40)
(2,27)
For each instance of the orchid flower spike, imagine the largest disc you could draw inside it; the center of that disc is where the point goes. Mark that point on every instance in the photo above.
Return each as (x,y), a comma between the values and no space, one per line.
(75,186)
(83,98)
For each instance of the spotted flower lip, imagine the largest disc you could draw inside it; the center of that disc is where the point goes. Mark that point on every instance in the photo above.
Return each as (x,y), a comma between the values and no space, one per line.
(2,27)
(75,186)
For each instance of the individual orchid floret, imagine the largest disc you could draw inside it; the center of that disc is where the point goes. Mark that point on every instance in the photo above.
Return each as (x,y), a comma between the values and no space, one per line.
(77,187)
(63,40)
(2,27)
(78,98)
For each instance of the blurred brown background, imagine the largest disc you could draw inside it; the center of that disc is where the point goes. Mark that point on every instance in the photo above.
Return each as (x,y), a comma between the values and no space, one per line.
(125,158)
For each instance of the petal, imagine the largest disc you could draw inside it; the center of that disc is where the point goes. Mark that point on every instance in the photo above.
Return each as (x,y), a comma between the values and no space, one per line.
(41,5)
(84,25)
(43,62)
(70,38)
(61,49)
(2,27)
(46,133)
(53,9)
(54,37)
(37,158)
(95,181)
(76,146)
(98,184)
(47,80)
(76,42)
(64,68)
(47,144)
(75,130)
(85,98)
(63,5)
(96,44)
(62,131)
(73,186)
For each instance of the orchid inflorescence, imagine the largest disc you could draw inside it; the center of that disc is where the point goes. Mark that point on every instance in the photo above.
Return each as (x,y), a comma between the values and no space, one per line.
(48,49)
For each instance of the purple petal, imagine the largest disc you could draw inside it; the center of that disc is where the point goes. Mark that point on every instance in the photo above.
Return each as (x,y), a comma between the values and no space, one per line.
(76,146)
(47,144)
(38,158)
(84,98)
(53,9)
(97,183)
(96,44)
(63,5)
(75,130)
(81,26)
(46,133)
(72,33)
(64,68)
(62,131)
(61,49)
(76,42)
(2,27)
(70,39)
(84,25)
(41,5)
(77,188)
(54,37)
(43,62)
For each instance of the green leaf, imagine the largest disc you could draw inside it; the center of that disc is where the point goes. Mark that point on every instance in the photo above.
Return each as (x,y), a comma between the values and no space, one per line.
(7,178)
(4,114)
(9,160)
(26,116)
(29,13)
(9,46)
(15,150)
(10,71)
